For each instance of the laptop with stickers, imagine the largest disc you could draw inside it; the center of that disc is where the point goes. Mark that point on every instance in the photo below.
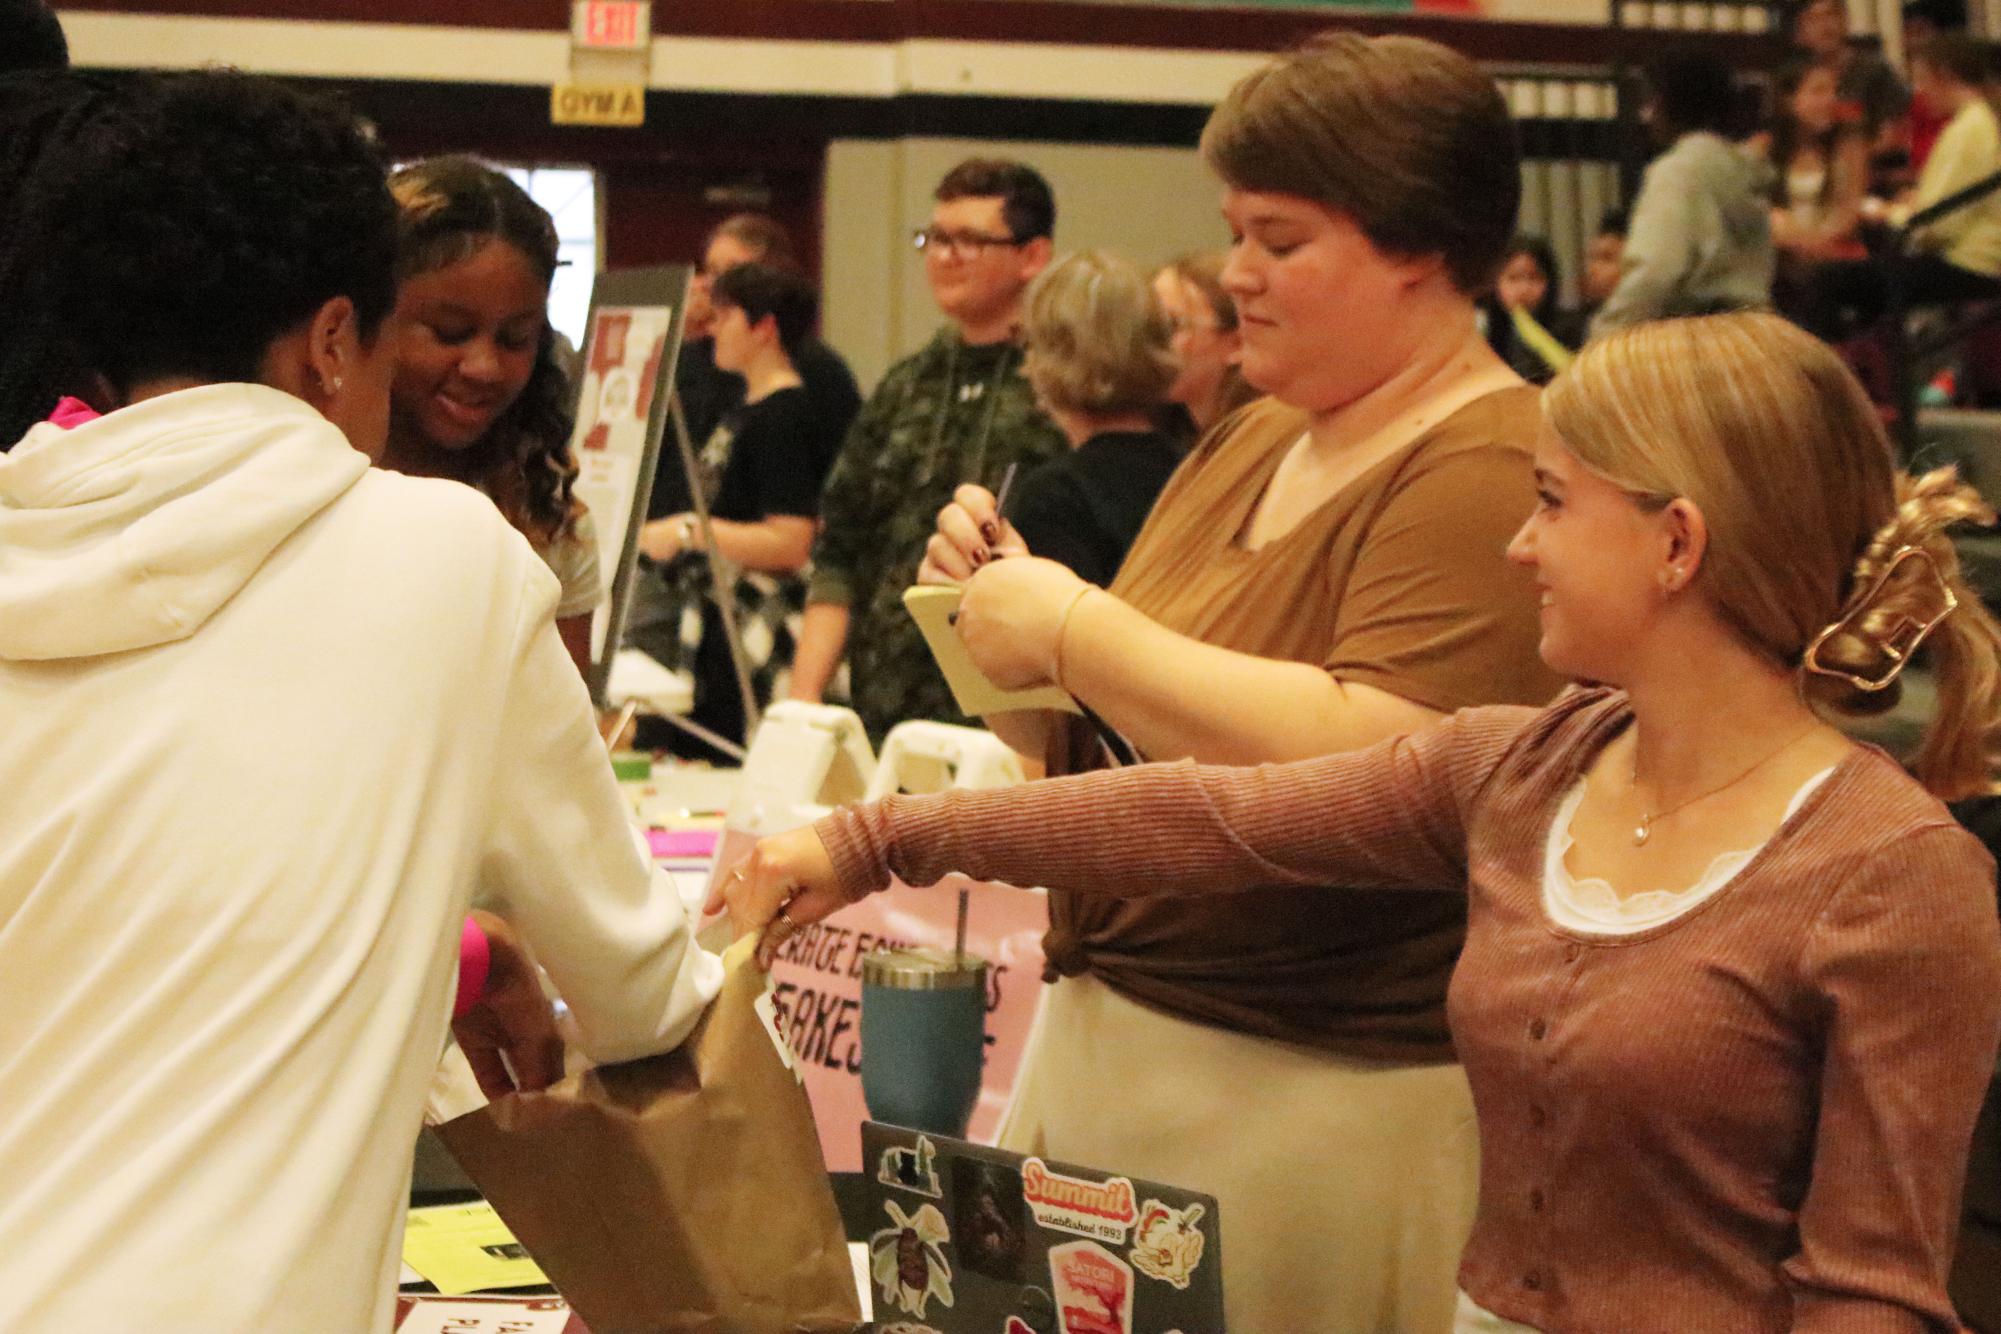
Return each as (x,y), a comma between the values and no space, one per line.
(971,1240)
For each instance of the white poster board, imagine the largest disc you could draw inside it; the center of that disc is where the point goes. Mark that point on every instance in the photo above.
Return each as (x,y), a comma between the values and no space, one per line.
(626,379)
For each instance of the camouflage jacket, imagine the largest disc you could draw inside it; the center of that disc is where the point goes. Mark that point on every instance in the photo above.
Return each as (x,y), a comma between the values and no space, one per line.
(948,414)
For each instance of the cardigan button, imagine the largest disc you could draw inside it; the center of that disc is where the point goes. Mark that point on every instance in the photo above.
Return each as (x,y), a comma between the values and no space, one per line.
(1536,1200)
(1538,1029)
(1532,1281)
(1538,1118)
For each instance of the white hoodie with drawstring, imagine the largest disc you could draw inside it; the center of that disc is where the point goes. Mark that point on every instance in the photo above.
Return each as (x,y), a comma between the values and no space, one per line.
(269,721)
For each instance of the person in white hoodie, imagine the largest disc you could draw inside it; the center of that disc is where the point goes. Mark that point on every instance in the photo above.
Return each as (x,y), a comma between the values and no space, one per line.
(269,721)
(1700,242)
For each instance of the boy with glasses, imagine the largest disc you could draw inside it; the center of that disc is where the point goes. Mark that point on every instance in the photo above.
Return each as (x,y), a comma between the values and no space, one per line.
(959,410)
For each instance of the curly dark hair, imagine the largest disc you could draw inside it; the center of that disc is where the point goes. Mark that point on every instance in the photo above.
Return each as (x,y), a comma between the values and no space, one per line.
(449,209)
(157,226)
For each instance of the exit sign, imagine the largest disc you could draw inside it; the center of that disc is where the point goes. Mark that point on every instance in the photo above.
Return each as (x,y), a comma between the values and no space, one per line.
(611,25)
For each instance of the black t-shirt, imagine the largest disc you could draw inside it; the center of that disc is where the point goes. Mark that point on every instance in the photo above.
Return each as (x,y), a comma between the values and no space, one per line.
(1086,508)
(774,462)
(708,394)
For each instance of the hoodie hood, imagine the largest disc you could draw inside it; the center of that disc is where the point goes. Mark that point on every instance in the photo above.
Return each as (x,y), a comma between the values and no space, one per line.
(132,530)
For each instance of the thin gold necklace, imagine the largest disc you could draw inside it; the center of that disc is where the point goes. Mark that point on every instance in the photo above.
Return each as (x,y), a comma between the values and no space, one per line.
(1648,819)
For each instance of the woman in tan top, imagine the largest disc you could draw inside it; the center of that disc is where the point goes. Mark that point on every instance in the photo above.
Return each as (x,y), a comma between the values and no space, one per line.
(1325,570)
(1732,986)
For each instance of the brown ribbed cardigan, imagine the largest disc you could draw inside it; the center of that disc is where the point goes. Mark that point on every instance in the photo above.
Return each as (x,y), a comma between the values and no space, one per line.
(1752,1118)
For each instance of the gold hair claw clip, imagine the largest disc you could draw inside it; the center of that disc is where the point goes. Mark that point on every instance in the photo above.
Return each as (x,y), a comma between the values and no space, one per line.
(1902,638)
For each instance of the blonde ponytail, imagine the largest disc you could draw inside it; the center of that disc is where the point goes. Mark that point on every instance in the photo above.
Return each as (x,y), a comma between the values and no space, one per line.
(1905,588)
(1765,429)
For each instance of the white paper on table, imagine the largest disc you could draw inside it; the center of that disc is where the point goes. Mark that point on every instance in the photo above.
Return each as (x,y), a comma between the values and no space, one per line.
(502,1317)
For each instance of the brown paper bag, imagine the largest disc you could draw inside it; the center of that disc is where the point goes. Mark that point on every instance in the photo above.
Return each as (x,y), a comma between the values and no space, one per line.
(681,1194)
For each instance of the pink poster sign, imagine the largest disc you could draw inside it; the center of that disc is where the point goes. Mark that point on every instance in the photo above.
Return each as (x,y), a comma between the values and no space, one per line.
(819,994)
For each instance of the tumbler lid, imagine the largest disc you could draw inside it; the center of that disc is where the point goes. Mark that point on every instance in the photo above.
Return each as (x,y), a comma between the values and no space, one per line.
(920,969)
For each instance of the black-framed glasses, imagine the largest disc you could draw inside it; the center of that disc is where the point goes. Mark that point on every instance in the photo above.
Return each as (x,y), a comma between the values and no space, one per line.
(958,245)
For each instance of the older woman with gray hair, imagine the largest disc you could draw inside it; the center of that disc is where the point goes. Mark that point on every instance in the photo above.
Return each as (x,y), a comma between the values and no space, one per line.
(1100,363)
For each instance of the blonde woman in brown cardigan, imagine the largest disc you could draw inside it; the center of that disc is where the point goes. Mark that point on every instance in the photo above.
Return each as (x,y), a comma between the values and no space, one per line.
(1732,985)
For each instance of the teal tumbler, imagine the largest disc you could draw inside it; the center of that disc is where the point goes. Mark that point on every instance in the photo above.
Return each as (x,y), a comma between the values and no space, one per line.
(924,1018)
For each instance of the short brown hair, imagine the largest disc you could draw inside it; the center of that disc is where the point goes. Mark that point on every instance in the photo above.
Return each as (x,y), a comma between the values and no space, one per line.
(762,233)
(761,289)
(1404,136)
(1027,205)
(1098,341)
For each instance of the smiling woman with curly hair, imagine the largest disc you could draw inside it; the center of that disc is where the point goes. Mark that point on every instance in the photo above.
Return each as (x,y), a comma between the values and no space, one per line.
(480,396)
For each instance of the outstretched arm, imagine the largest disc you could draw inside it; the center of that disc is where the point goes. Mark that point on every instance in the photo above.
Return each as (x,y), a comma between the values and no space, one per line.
(1392,815)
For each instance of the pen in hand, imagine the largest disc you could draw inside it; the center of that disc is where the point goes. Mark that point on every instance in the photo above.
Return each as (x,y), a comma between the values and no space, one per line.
(1000,517)
(1000,503)
(1121,751)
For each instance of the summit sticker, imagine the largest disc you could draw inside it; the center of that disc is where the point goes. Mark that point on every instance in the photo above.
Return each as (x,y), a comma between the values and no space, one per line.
(1104,1210)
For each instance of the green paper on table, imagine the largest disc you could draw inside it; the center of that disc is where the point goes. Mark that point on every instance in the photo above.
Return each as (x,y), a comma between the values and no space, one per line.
(931,606)
(465,1248)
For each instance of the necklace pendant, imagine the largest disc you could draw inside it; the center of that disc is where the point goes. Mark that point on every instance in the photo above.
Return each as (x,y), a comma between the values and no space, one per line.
(1642,831)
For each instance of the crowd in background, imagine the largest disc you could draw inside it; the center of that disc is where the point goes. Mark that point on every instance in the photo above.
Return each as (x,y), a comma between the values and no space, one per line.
(1798,214)
(1087,376)
(1808,210)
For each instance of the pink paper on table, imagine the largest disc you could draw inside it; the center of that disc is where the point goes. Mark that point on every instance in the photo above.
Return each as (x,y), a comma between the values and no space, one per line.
(683,845)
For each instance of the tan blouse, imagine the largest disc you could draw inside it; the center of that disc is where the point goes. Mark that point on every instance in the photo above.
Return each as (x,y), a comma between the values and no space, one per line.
(1752,1118)
(1400,582)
